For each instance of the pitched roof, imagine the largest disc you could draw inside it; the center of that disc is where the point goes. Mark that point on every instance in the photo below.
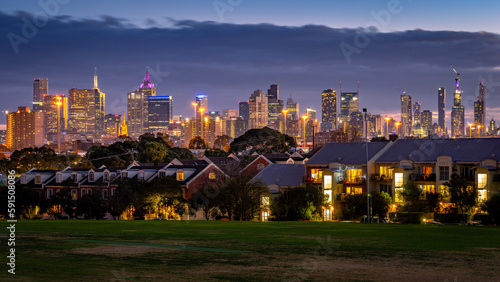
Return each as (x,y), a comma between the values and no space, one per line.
(345,153)
(427,150)
(282,174)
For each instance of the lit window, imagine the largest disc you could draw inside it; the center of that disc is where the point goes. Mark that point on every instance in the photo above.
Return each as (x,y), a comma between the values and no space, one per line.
(265,201)
(73,194)
(481,195)
(211,175)
(354,175)
(328,196)
(180,176)
(398,180)
(482,179)
(260,166)
(386,171)
(265,215)
(327,182)
(444,173)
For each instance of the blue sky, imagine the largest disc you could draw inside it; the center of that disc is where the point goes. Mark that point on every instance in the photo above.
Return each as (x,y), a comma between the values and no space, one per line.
(227,54)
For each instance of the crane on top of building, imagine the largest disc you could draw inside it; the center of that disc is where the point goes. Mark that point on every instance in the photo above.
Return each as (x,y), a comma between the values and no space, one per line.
(457,79)
(403,92)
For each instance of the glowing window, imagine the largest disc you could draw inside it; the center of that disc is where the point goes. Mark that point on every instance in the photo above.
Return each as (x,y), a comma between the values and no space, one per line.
(327,182)
(354,175)
(482,179)
(73,194)
(481,195)
(398,180)
(386,171)
(180,176)
(211,175)
(265,201)
(328,196)
(38,179)
(398,198)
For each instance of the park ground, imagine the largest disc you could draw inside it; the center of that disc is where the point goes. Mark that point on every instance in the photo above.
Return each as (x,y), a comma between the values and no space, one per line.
(74,250)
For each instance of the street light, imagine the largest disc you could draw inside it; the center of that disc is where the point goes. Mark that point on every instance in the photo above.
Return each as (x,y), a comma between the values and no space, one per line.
(479,130)
(195,113)
(397,124)
(202,110)
(470,129)
(58,103)
(366,176)
(285,111)
(304,117)
(387,126)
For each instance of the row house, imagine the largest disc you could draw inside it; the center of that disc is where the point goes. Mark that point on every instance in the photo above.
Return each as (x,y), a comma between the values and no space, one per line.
(262,161)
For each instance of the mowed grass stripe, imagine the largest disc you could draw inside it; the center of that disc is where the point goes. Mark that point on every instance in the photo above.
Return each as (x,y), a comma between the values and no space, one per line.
(178,247)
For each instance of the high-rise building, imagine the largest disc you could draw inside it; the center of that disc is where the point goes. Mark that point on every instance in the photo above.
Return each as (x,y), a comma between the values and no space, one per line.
(426,120)
(311,114)
(54,107)
(328,109)
(137,107)
(406,115)
(492,127)
(230,113)
(349,103)
(24,129)
(244,110)
(417,113)
(112,125)
(457,112)
(258,108)
(160,110)
(3,136)
(480,109)
(275,106)
(293,108)
(86,109)
(40,89)
(202,101)
(442,108)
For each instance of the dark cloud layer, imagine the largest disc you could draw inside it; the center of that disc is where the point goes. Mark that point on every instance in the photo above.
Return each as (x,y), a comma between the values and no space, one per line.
(229,61)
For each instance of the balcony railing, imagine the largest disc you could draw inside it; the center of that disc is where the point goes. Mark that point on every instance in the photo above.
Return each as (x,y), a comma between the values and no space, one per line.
(423,177)
(308,179)
(356,180)
(377,177)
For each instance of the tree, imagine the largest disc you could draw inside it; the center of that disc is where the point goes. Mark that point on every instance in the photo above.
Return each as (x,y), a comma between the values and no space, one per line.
(239,198)
(91,206)
(493,207)
(264,140)
(411,195)
(26,201)
(163,197)
(380,202)
(301,203)
(463,193)
(355,206)
(152,152)
(198,143)
(221,141)
(216,153)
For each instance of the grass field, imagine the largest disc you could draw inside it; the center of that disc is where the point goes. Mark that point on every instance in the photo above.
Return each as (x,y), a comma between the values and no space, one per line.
(250,251)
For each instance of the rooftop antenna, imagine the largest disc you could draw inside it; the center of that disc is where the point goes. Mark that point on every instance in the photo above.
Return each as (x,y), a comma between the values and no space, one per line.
(95,78)
(457,79)
(340,86)
(358,86)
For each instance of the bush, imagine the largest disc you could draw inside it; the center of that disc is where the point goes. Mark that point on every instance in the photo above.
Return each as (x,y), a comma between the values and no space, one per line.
(493,207)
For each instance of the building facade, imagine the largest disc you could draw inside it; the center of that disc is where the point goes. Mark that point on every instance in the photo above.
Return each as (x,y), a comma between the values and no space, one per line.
(328,109)
(24,129)
(40,89)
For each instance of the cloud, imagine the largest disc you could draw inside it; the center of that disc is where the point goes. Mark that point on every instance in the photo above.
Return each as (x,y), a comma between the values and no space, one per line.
(229,61)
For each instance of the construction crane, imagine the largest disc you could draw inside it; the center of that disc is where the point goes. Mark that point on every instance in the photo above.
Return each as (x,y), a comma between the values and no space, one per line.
(455,71)
(457,80)
(402,91)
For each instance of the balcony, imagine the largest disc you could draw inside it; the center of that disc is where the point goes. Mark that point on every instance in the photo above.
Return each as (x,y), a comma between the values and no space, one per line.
(355,180)
(308,179)
(378,177)
(423,177)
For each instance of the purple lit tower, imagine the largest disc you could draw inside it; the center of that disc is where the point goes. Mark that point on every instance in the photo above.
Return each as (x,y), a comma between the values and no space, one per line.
(137,107)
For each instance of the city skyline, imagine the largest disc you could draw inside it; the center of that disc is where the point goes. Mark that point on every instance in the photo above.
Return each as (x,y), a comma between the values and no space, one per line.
(419,62)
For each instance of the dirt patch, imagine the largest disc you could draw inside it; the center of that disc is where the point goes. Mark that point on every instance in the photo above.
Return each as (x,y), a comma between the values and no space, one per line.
(119,250)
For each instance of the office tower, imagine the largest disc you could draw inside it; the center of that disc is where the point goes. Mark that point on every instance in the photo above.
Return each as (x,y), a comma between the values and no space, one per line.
(376,123)
(311,114)
(230,113)
(417,113)
(349,103)
(112,125)
(86,110)
(40,89)
(160,110)
(275,106)
(480,109)
(236,127)
(426,120)
(492,127)
(137,107)
(442,108)
(24,129)
(258,108)
(54,107)
(293,108)
(457,112)
(406,115)
(202,101)
(244,110)
(328,109)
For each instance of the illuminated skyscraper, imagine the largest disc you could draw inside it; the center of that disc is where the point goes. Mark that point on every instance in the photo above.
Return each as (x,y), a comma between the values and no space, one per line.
(137,107)
(258,108)
(24,129)
(159,112)
(328,109)
(202,101)
(442,108)
(293,108)
(480,108)
(51,104)
(457,112)
(406,115)
(275,106)
(311,114)
(349,103)
(426,121)
(40,89)
(244,110)
(112,125)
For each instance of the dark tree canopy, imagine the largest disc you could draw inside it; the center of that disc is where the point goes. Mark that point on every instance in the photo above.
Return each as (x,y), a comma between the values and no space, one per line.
(264,140)
(198,142)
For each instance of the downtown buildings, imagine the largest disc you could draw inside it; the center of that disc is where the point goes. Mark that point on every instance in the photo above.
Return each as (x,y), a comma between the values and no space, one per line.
(457,112)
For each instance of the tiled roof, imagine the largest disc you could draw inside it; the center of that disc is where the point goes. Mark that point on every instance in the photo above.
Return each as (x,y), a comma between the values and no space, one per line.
(346,153)
(282,174)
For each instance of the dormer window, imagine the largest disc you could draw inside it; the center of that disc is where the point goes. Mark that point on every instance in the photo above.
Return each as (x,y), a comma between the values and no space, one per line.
(91,176)
(162,173)
(140,175)
(74,176)
(180,175)
(124,174)
(59,178)
(23,179)
(106,176)
(38,179)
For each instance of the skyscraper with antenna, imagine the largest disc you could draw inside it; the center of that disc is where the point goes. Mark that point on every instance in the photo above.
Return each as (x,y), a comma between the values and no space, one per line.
(457,112)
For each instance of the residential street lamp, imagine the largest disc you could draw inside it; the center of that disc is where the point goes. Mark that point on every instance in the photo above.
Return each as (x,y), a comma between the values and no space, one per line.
(58,103)
(470,129)
(366,176)
(397,124)
(387,126)
(285,112)
(195,113)
(202,110)
(479,130)
(304,117)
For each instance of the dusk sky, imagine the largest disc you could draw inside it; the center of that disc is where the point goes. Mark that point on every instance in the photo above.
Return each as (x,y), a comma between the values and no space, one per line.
(229,48)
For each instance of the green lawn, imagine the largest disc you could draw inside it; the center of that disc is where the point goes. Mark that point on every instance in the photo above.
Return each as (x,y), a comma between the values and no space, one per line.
(251,251)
